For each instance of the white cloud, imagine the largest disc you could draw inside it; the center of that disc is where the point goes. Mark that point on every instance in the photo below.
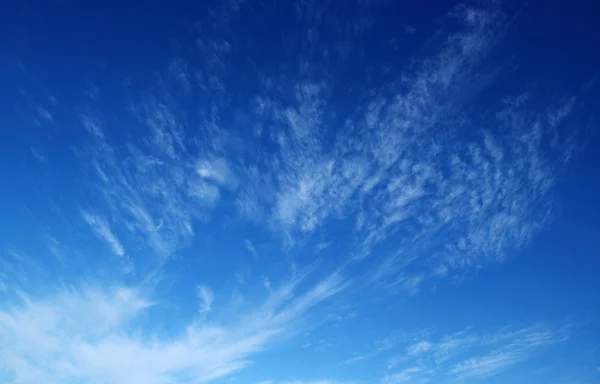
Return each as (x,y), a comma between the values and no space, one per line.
(18,270)
(463,355)
(92,125)
(206,296)
(306,382)
(38,156)
(178,71)
(250,247)
(149,186)
(100,227)
(399,170)
(402,168)
(419,348)
(208,193)
(266,282)
(217,171)
(239,278)
(410,283)
(419,184)
(404,376)
(44,113)
(92,90)
(482,367)
(469,354)
(97,335)
(451,345)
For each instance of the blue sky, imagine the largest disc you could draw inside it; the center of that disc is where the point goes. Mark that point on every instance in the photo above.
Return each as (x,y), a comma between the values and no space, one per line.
(308,192)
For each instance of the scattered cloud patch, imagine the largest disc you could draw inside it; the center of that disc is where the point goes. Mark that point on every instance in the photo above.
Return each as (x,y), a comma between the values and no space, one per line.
(207,297)
(250,247)
(407,375)
(44,114)
(469,355)
(101,228)
(92,125)
(305,382)
(216,171)
(419,348)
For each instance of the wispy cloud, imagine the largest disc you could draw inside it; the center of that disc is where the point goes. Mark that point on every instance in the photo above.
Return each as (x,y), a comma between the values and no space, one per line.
(100,227)
(44,113)
(17,269)
(403,167)
(426,356)
(38,156)
(468,354)
(250,247)
(92,125)
(482,367)
(206,296)
(217,171)
(411,169)
(407,375)
(419,348)
(306,382)
(396,179)
(96,334)
(149,186)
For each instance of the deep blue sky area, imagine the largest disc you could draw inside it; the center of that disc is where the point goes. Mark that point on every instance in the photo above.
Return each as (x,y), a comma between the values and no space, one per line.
(299,192)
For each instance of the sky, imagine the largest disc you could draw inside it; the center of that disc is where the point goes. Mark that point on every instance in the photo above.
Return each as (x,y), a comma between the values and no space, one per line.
(299,192)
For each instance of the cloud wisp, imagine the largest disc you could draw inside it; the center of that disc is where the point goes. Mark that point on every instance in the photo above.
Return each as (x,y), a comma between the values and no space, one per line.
(101,229)
(468,354)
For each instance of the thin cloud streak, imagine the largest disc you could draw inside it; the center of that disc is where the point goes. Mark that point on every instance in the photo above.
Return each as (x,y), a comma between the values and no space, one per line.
(100,227)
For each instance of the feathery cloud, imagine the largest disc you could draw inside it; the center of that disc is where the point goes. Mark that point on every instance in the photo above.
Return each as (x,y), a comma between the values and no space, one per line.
(100,227)
(206,296)
(97,334)
(395,179)
(472,355)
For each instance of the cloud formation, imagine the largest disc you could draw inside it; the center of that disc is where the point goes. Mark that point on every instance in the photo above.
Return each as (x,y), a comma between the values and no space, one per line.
(468,354)
(206,296)
(379,188)
(101,229)
(96,334)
